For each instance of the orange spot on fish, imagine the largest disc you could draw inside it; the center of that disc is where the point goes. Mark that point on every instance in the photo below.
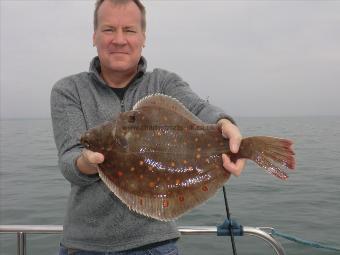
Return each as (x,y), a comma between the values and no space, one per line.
(150,168)
(209,145)
(178,181)
(120,173)
(205,188)
(173,164)
(198,149)
(198,156)
(141,176)
(185,162)
(165,118)
(132,169)
(181,199)
(196,139)
(152,184)
(165,203)
(141,162)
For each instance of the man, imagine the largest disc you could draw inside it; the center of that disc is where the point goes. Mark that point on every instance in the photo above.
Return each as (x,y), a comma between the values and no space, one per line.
(96,220)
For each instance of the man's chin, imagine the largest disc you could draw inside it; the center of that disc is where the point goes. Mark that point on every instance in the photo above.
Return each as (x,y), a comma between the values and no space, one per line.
(120,67)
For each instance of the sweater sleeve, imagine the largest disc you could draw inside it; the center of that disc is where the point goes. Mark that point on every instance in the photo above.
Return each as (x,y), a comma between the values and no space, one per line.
(68,124)
(174,86)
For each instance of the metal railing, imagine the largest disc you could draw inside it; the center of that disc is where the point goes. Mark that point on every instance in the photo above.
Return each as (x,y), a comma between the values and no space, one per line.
(23,230)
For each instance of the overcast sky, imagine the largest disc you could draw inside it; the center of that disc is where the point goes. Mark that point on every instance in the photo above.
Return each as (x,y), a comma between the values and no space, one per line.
(252,58)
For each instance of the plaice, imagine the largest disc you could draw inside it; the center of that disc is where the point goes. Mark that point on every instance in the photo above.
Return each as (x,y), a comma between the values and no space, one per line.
(162,161)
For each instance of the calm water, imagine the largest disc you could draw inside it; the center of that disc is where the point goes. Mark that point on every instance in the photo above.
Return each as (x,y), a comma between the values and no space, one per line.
(32,190)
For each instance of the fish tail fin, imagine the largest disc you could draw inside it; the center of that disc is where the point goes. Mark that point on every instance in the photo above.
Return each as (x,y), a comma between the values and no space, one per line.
(270,153)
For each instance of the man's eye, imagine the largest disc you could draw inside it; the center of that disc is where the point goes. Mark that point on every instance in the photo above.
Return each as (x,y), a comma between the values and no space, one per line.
(107,30)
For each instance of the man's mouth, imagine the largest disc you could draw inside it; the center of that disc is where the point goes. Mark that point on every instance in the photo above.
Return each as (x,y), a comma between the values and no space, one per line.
(119,52)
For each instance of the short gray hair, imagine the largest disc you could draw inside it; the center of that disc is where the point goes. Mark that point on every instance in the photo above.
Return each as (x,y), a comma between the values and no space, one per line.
(137,2)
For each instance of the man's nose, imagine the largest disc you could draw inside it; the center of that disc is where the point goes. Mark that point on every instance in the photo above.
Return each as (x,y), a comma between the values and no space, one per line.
(119,38)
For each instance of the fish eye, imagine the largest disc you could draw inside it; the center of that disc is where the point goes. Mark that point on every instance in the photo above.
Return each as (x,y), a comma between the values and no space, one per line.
(132,118)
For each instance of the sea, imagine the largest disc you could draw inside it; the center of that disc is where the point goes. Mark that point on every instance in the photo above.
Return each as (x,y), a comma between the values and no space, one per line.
(307,205)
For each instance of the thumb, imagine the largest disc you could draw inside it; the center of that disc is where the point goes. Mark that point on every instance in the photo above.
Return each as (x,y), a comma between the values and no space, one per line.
(93,157)
(97,158)
(234,143)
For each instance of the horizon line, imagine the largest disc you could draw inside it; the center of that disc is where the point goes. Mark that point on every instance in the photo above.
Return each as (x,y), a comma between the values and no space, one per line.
(235,117)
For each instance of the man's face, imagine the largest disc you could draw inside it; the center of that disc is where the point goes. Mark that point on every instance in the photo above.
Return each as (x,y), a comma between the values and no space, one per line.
(119,37)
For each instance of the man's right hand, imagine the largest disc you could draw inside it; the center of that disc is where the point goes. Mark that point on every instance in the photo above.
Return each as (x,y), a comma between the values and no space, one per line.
(88,161)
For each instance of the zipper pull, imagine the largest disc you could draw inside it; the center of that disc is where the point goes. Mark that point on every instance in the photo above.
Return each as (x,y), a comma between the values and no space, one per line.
(122,106)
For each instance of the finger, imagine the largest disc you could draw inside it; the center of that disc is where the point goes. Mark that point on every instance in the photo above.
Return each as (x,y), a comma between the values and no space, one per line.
(93,157)
(228,164)
(240,164)
(234,168)
(226,159)
(97,158)
(233,133)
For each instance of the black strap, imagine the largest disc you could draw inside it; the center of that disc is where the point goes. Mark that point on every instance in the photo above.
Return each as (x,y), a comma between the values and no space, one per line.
(228,216)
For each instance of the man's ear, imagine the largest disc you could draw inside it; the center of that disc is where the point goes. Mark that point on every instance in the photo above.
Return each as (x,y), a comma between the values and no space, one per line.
(94,39)
(144,37)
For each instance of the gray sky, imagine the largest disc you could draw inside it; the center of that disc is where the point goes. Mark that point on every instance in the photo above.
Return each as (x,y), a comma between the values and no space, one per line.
(252,58)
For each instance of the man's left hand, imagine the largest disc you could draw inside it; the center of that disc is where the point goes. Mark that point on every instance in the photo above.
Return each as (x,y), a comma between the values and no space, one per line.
(232,132)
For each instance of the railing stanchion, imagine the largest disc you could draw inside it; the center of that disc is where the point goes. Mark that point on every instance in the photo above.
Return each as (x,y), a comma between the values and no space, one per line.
(21,240)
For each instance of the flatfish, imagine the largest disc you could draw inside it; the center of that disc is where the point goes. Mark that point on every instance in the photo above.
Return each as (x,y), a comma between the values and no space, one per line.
(162,161)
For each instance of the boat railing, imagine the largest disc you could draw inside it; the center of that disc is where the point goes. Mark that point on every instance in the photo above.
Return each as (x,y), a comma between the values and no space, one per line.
(22,230)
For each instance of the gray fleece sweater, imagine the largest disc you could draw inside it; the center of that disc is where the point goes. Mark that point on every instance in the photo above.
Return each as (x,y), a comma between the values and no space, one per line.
(95,218)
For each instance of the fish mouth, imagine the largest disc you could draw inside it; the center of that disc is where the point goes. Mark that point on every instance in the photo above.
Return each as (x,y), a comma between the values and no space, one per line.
(84,142)
(86,145)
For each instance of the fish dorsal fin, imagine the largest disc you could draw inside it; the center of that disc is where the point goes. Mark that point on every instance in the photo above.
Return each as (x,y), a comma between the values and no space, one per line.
(167,102)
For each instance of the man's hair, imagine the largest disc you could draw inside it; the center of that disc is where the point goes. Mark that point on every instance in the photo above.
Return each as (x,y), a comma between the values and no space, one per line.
(137,2)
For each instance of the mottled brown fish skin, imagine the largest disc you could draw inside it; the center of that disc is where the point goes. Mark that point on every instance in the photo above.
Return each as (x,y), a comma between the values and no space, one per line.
(162,161)
(159,159)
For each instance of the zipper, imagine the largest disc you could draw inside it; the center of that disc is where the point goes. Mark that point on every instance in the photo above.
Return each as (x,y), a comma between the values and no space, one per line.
(122,105)
(132,82)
